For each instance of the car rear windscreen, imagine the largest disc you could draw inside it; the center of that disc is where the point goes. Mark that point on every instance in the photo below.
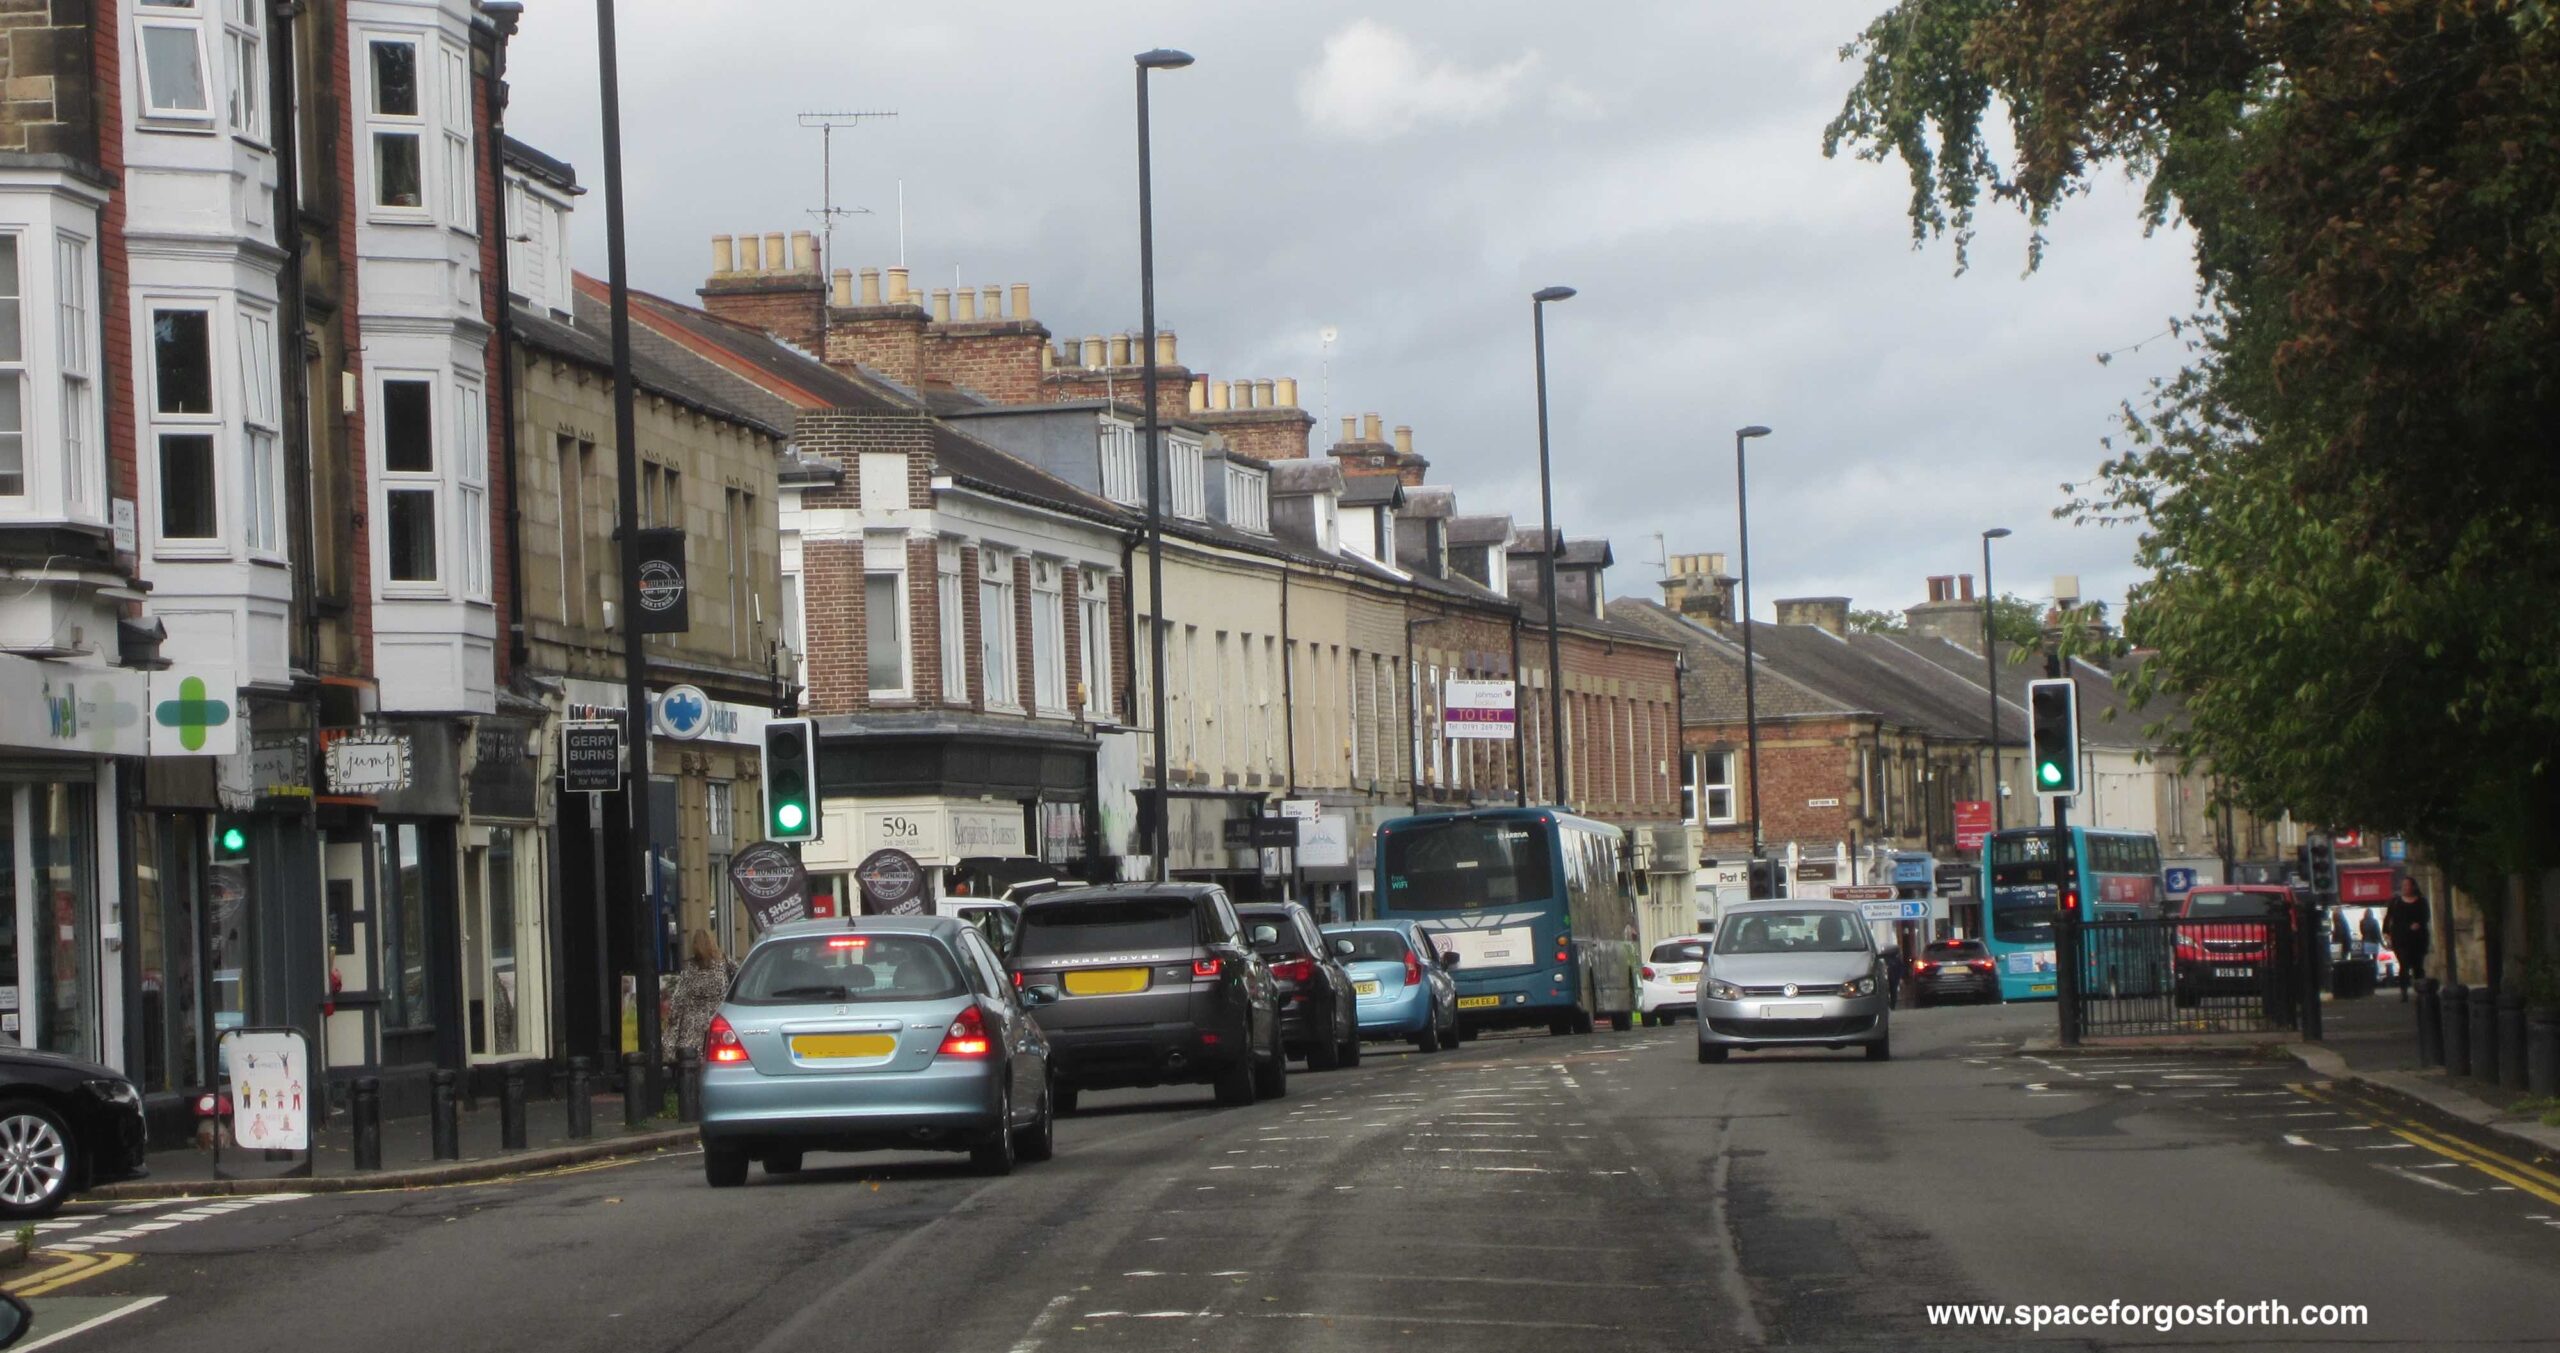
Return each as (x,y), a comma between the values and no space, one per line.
(1106,924)
(1373,946)
(1956,951)
(1272,932)
(839,968)
(1679,951)
(1468,864)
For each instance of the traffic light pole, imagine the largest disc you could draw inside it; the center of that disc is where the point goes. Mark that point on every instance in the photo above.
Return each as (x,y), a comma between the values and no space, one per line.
(2066,919)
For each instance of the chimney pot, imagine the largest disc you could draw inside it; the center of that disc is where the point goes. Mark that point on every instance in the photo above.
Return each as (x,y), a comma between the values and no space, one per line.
(1218,391)
(898,293)
(1372,428)
(1022,300)
(842,289)
(1350,427)
(1965,582)
(1119,350)
(1199,394)
(1285,391)
(991,303)
(751,253)
(964,305)
(804,251)
(942,305)
(1164,347)
(870,285)
(1404,441)
(775,260)
(1262,394)
(1093,347)
(1048,359)
(724,255)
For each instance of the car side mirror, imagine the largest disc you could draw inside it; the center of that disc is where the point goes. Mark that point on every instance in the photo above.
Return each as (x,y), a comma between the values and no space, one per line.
(1266,934)
(1344,948)
(15,1317)
(1035,997)
(1448,958)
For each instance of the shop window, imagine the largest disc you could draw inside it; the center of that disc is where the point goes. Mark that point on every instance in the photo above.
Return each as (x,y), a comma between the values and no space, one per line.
(402,925)
(49,918)
(168,923)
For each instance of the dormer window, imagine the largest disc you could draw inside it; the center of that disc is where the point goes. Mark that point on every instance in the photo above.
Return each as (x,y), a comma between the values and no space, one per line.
(1328,514)
(1188,491)
(1248,499)
(1122,480)
(1384,543)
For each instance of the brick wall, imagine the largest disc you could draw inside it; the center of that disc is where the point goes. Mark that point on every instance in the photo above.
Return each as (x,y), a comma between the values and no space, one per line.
(969,650)
(1071,594)
(1614,771)
(115,303)
(1126,384)
(888,339)
(1024,680)
(1462,645)
(342,251)
(832,621)
(996,360)
(1124,662)
(787,304)
(924,622)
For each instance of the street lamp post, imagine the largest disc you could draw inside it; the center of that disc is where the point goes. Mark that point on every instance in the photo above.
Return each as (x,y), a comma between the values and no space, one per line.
(1991,662)
(1160,59)
(1548,546)
(1750,673)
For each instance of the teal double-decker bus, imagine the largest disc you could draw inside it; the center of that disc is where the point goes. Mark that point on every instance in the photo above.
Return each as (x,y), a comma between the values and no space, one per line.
(2116,876)
(1537,904)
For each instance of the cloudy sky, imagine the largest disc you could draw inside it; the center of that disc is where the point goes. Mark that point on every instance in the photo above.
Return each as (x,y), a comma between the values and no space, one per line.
(1406,174)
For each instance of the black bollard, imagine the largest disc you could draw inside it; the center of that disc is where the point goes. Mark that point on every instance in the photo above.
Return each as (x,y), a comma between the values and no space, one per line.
(2430,1024)
(582,1098)
(511,1108)
(365,1108)
(2456,999)
(2542,1052)
(441,1120)
(2484,1034)
(689,1086)
(635,1090)
(2511,1040)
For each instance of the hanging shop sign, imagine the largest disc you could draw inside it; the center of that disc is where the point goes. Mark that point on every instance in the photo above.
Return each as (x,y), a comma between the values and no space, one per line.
(195,711)
(371,762)
(591,757)
(773,884)
(658,554)
(892,884)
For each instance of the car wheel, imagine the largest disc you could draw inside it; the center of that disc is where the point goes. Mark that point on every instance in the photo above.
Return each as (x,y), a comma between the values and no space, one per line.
(1271,1079)
(1429,1039)
(1350,1056)
(1040,1140)
(36,1160)
(782,1162)
(995,1156)
(1063,1099)
(1324,1055)
(1236,1083)
(1711,1053)
(1881,1050)
(1560,1026)
(724,1164)
(1620,1023)
(1583,1023)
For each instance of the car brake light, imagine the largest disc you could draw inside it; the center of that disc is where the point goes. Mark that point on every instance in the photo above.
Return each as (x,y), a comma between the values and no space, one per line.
(1647,970)
(1922,965)
(1207,967)
(1017,981)
(1980,965)
(720,1042)
(1412,969)
(1563,957)
(967,1036)
(1295,970)
(847,941)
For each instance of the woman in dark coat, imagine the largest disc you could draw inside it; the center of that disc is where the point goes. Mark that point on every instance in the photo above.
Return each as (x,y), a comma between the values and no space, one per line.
(2408,921)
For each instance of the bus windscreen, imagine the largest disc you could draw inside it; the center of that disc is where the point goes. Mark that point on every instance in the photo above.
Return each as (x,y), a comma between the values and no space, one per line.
(1466,865)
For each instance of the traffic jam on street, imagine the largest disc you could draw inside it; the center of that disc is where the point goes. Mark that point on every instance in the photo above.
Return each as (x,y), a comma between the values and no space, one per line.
(566,794)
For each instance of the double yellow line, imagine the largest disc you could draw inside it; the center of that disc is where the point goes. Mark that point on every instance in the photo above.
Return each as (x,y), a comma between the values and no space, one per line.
(2505,1169)
(73,1268)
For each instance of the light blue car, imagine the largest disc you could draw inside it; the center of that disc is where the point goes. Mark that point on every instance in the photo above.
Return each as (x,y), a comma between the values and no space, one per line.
(1399,981)
(873,1033)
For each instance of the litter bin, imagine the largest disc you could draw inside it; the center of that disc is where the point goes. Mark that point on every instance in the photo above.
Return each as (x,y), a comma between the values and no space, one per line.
(2353,978)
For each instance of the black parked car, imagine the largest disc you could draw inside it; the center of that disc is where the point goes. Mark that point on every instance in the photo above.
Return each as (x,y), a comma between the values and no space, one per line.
(1319,1007)
(65,1125)
(1955,970)
(1150,984)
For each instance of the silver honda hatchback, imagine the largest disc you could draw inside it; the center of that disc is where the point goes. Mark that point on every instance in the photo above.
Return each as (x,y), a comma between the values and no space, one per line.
(873,1033)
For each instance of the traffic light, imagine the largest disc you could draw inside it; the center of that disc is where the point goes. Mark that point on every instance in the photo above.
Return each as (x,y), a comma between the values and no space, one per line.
(790,780)
(2053,736)
(2320,865)
(230,838)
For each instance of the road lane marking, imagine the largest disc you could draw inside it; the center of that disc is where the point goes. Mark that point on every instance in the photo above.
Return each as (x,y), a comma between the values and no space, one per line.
(1030,1340)
(74,1269)
(137,1304)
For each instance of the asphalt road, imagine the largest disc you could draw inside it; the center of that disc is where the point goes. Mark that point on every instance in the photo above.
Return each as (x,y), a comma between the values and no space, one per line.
(1526,1193)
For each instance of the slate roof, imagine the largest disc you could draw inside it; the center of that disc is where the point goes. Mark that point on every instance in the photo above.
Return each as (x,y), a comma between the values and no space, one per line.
(1305,476)
(2106,720)
(539,331)
(1586,553)
(1711,689)
(1482,529)
(1430,500)
(1372,490)
(554,171)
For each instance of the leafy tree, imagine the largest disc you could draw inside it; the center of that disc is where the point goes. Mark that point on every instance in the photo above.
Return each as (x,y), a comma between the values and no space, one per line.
(2020,622)
(2349,499)
(1877,622)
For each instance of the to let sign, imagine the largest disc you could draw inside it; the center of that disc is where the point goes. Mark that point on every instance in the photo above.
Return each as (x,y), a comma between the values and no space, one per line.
(1973,823)
(591,757)
(1477,709)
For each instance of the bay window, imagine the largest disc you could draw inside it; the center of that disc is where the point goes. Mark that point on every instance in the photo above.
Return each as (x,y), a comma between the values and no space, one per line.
(75,334)
(171,36)
(953,623)
(1093,602)
(411,483)
(13,373)
(471,486)
(1183,469)
(184,424)
(243,34)
(461,209)
(884,612)
(396,125)
(261,478)
(1048,636)
(996,666)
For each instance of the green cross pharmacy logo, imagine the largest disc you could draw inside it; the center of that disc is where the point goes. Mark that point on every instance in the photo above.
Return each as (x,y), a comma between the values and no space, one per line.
(193,713)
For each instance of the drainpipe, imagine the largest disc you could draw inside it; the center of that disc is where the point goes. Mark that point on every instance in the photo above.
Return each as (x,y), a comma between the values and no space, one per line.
(1519,700)
(1288,682)
(297,322)
(505,16)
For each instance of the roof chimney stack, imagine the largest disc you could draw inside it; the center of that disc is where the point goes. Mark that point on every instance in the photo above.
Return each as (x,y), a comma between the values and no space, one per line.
(724,255)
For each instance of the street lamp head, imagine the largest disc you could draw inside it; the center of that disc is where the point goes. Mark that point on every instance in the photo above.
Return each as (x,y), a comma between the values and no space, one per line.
(1996,533)
(1164,58)
(1746,434)
(1545,294)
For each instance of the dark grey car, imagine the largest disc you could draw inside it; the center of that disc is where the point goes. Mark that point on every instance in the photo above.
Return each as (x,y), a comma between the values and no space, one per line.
(1150,984)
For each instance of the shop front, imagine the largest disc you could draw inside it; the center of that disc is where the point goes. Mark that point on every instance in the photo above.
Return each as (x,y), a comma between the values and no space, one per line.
(62,979)
(981,803)
(1221,839)
(962,844)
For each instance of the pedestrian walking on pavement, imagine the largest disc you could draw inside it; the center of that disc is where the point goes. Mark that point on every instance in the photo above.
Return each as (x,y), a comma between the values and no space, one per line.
(2407,922)
(694,995)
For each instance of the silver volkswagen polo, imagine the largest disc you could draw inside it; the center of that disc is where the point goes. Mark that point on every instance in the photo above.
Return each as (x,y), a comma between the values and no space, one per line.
(874,1033)
(1793,972)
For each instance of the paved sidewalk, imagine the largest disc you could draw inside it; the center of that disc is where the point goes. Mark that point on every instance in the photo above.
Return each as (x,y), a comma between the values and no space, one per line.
(408,1154)
(2372,1040)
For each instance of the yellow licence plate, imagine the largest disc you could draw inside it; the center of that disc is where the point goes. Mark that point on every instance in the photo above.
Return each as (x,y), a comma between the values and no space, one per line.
(1364,988)
(1477,1002)
(1106,981)
(2041,989)
(842,1047)
(1684,979)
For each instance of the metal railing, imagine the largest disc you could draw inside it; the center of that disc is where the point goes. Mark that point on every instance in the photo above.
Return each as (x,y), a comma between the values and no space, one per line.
(2166,975)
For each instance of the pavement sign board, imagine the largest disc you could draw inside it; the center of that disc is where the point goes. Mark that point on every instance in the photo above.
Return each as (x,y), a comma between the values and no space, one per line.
(892,884)
(772,882)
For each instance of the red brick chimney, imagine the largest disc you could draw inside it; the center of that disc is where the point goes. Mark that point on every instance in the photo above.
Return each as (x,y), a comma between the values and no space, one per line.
(1113,368)
(764,283)
(1259,418)
(1365,450)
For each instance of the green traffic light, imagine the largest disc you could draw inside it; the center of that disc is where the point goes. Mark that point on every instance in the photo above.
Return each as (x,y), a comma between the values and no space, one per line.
(2050,773)
(234,840)
(789,816)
